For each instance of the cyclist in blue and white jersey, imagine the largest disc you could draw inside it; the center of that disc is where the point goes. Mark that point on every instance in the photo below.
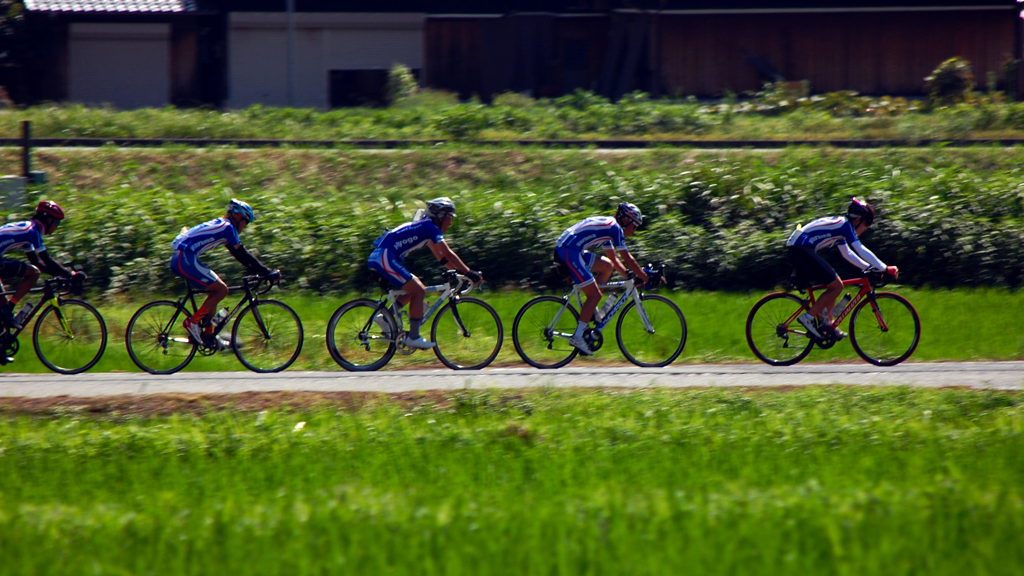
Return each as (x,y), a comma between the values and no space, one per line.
(608,233)
(189,245)
(842,232)
(28,236)
(390,249)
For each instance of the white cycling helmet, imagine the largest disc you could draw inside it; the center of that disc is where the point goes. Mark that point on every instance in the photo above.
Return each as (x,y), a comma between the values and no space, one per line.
(236,206)
(438,208)
(629,212)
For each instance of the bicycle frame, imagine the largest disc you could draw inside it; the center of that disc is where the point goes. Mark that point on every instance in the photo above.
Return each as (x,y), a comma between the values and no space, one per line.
(629,290)
(53,290)
(250,297)
(447,292)
(866,290)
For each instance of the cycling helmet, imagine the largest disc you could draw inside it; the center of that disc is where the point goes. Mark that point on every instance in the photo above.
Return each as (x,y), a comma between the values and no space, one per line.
(629,212)
(49,208)
(861,209)
(438,208)
(238,207)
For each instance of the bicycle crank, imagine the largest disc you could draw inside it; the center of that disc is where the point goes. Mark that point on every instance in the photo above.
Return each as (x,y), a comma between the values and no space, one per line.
(10,345)
(593,338)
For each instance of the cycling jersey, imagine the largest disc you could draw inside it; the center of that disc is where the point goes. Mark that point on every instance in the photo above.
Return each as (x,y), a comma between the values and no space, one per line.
(207,235)
(601,231)
(408,237)
(837,231)
(27,236)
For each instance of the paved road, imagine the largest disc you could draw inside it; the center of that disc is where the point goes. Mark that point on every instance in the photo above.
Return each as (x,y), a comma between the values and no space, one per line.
(994,375)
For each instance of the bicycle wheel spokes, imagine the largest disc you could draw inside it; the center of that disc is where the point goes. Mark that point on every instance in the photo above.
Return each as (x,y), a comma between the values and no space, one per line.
(355,342)
(889,336)
(70,339)
(770,337)
(473,349)
(155,343)
(540,342)
(267,336)
(648,348)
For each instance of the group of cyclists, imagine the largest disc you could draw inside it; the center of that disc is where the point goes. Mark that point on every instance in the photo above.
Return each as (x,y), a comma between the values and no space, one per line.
(588,252)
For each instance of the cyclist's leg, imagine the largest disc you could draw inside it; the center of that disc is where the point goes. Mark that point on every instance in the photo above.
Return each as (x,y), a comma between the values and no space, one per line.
(579,264)
(814,269)
(13,269)
(190,268)
(386,264)
(602,268)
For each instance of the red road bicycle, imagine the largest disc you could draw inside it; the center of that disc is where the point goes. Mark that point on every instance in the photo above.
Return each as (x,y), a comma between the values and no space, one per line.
(884,327)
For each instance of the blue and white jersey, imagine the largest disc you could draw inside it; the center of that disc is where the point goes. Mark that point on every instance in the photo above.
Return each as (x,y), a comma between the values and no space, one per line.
(835,231)
(207,235)
(27,236)
(409,237)
(601,231)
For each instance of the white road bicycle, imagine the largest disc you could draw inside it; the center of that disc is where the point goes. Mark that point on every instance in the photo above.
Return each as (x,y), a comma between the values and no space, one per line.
(651,330)
(364,334)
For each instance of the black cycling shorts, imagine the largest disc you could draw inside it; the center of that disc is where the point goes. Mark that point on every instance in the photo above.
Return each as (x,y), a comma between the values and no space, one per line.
(11,268)
(810,269)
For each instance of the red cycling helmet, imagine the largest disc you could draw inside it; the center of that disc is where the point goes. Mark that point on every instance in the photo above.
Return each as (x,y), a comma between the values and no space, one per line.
(50,208)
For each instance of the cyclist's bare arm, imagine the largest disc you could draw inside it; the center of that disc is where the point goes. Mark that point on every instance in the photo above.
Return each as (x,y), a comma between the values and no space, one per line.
(444,253)
(630,262)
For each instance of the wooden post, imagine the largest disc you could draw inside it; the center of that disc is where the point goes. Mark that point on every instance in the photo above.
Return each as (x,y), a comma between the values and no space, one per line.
(26,148)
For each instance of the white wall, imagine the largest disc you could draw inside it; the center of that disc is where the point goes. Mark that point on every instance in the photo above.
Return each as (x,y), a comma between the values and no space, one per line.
(257,58)
(126,65)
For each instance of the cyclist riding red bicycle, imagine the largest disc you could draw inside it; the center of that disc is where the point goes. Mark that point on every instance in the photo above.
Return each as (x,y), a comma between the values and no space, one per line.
(190,244)
(811,269)
(28,236)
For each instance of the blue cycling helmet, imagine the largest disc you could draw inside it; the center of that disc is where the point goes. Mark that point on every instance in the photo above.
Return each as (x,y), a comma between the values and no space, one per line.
(238,207)
(629,212)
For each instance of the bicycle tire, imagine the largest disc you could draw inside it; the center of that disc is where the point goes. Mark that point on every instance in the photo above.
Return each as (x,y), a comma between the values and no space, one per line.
(530,333)
(767,337)
(72,353)
(897,342)
(258,352)
(661,347)
(458,351)
(350,347)
(150,335)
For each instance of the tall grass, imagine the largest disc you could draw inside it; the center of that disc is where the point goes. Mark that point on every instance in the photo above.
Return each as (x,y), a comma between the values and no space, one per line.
(820,481)
(964,324)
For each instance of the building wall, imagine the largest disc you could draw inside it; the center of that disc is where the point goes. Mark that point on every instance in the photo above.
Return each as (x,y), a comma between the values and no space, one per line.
(870,52)
(257,59)
(126,65)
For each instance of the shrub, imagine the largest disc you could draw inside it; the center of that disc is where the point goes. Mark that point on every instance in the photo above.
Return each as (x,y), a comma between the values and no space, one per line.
(401,83)
(951,82)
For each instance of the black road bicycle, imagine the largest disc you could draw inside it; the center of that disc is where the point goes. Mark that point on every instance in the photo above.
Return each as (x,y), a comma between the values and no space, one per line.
(266,336)
(69,336)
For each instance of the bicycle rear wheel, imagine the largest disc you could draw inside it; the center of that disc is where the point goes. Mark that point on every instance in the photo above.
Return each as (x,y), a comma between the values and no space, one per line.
(770,338)
(888,332)
(267,336)
(539,340)
(658,347)
(356,342)
(478,345)
(156,340)
(71,338)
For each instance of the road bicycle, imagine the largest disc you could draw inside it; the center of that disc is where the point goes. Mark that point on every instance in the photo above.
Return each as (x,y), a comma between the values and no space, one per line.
(266,336)
(884,327)
(364,334)
(651,330)
(69,336)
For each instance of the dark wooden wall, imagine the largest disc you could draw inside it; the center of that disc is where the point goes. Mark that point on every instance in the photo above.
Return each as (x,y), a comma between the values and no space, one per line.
(872,53)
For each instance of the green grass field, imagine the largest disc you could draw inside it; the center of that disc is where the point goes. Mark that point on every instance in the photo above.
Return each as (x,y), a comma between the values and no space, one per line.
(965,324)
(823,481)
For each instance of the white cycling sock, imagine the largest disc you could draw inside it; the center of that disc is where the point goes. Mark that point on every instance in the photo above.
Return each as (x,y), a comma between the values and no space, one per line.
(580,327)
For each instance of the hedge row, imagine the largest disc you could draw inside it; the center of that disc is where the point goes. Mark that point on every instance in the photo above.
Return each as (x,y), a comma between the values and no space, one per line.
(947,218)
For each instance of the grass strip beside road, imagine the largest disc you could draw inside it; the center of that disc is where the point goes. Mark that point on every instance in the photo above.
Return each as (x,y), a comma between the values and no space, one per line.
(829,480)
(963,324)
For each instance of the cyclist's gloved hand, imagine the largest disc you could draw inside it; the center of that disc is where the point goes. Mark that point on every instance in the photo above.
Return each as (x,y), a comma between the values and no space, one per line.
(78,281)
(474,276)
(893,271)
(274,276)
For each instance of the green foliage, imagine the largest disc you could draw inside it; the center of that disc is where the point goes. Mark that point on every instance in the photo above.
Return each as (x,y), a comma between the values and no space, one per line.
(832,480)
(951,82)
(401,83)
(514,100)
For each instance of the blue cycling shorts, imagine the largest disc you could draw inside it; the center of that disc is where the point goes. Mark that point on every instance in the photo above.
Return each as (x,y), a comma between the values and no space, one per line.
(579,264)
(385,263)
(186,265)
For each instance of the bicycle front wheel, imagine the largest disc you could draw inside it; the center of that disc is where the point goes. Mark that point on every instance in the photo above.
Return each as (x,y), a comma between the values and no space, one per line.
(467,335)
(156,340)
(70,338)
(540,339)
(770,337)
(889,330)
(657,342)
(267,336)
(358,343)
